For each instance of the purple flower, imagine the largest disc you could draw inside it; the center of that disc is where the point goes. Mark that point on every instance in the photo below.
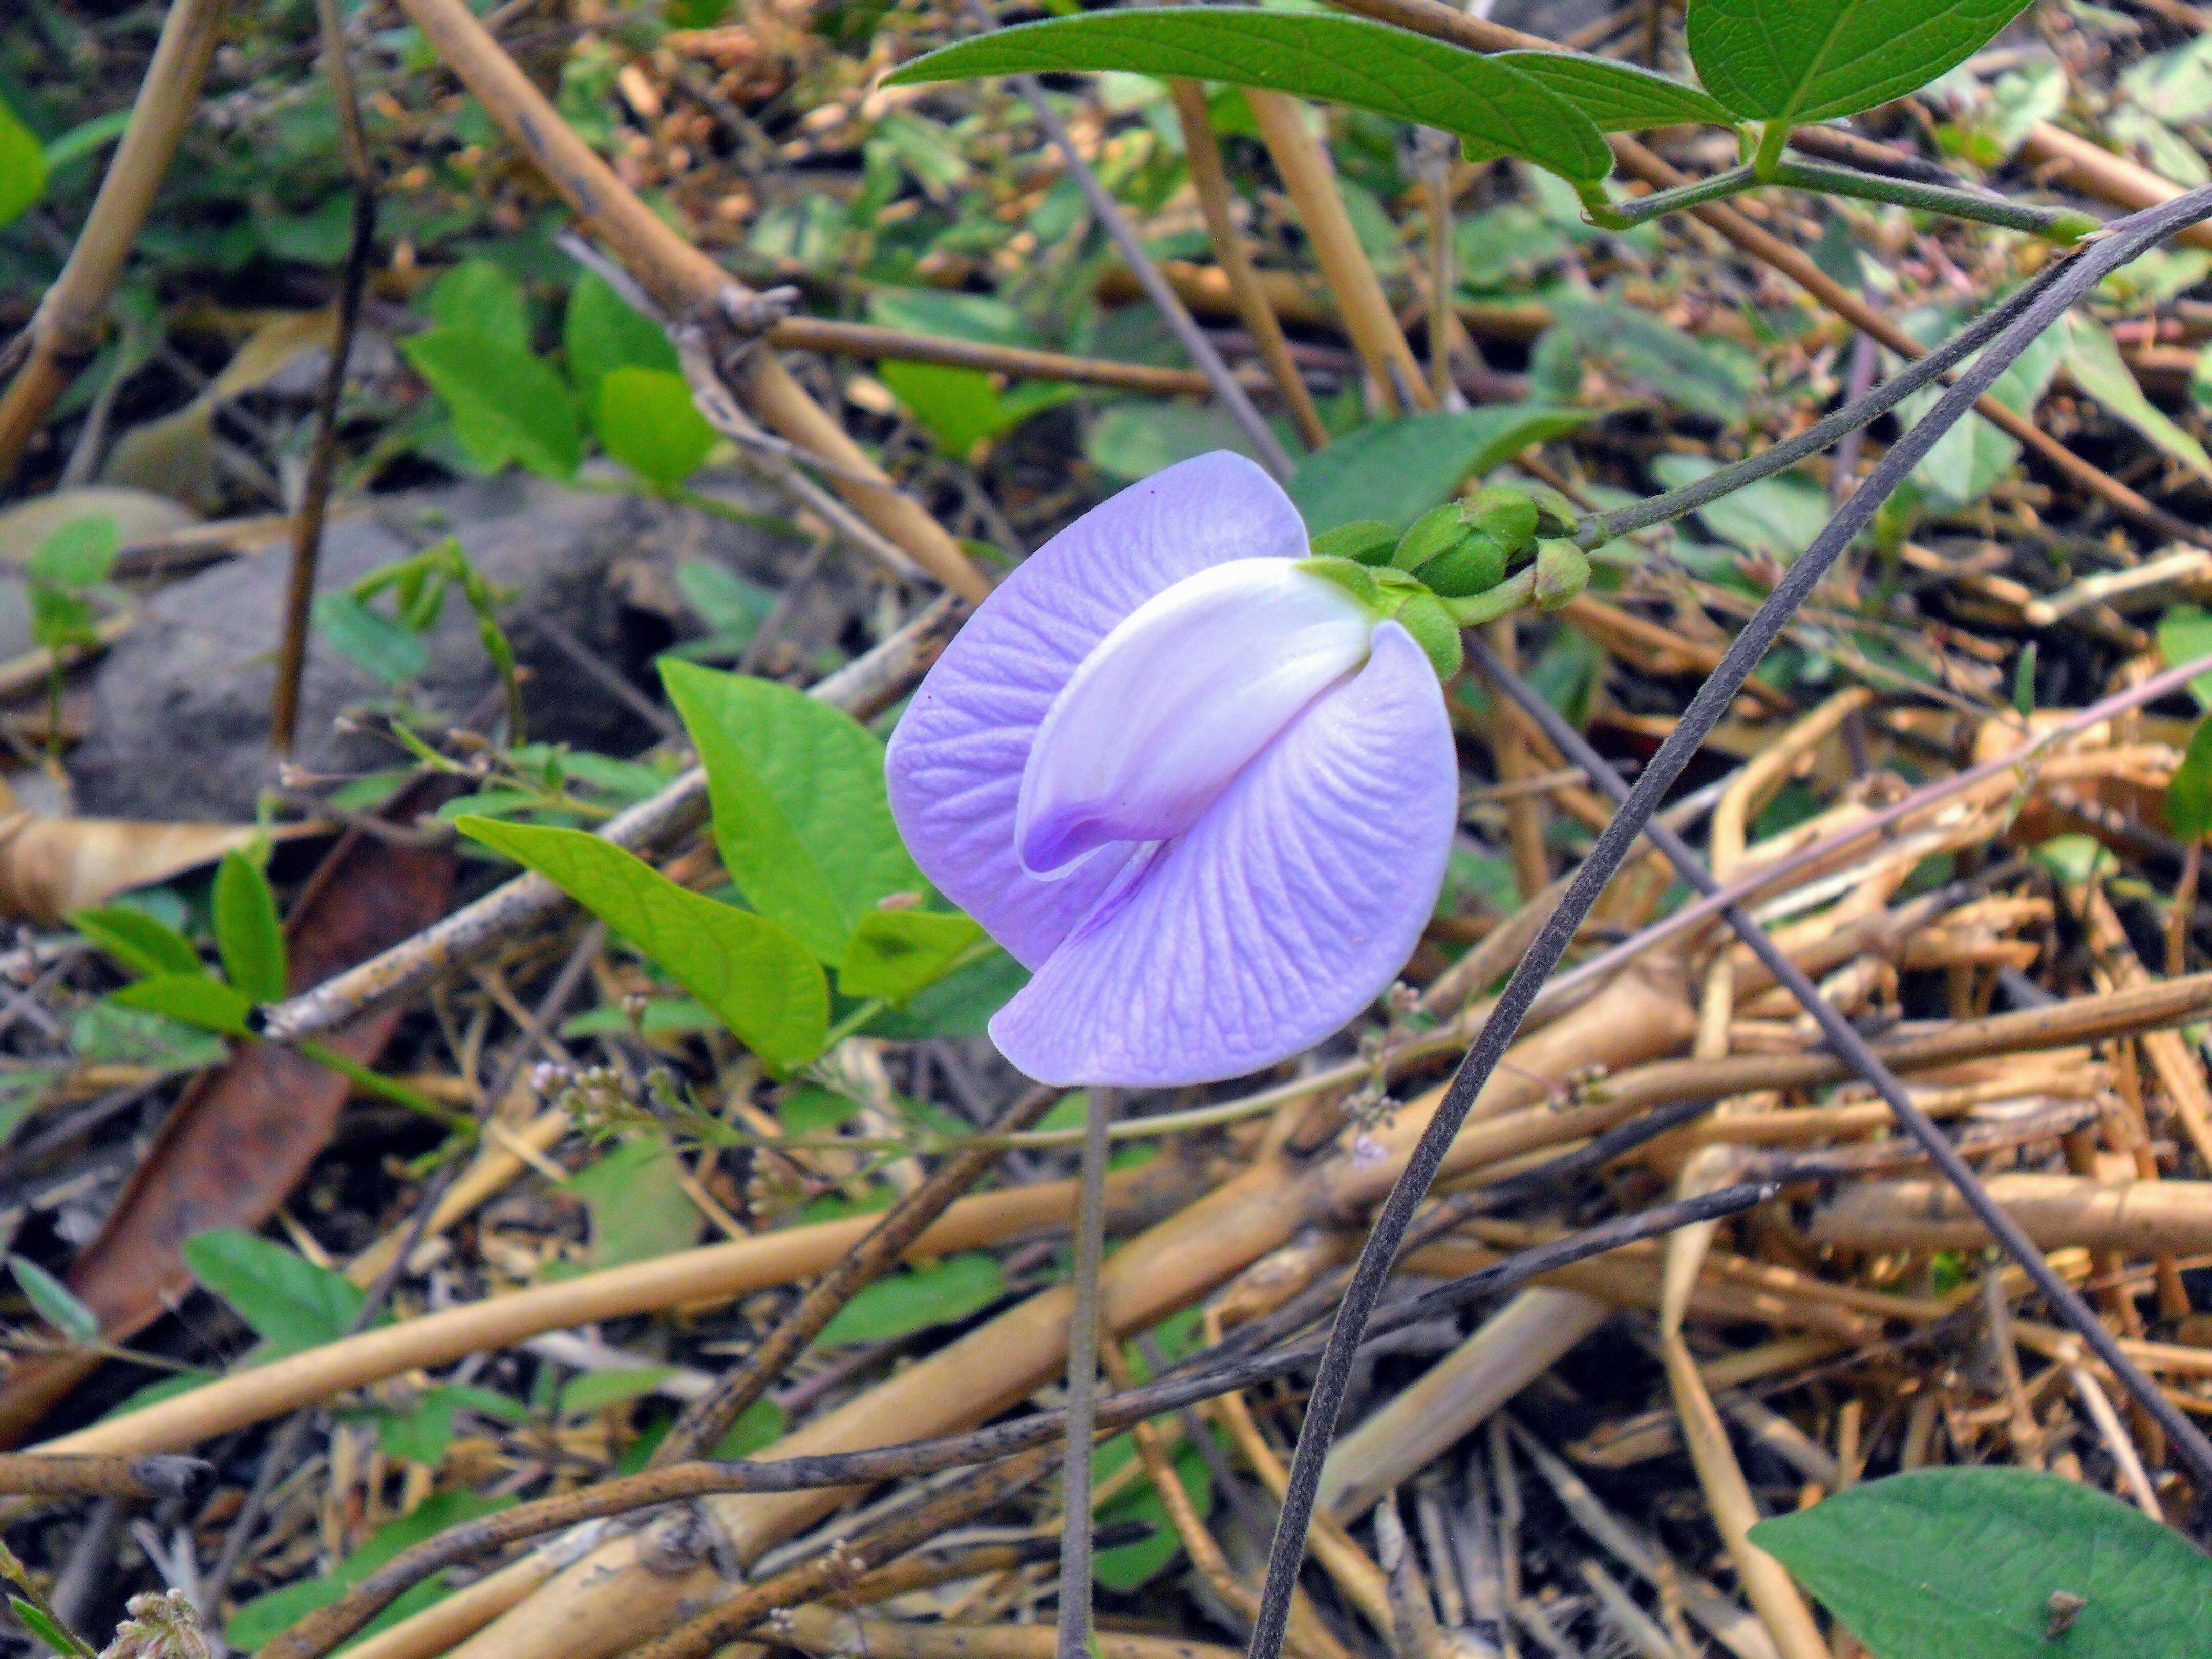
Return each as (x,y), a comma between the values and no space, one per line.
(1200,791)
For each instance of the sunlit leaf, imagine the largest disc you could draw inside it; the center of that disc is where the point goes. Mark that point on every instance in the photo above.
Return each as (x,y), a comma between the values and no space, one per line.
(914,1298)
(601,332)
(22,166)
(137,941)
(1806,60)
(801,815)
(249,935)
(477,294)
(505,401)
(1348,60)
(755,977)
(646,420)
(894,953)
(1619,97)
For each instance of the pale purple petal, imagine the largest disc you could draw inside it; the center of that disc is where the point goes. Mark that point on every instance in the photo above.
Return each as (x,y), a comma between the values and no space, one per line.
(1172,703)
(955,765)
(1277,917)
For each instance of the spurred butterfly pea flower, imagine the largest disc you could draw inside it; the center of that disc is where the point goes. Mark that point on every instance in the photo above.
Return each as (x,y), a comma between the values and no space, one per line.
(1204,793)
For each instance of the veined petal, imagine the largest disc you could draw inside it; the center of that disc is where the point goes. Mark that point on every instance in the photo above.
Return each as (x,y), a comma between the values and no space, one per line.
(1173,703)
(1277,916)
(955,765)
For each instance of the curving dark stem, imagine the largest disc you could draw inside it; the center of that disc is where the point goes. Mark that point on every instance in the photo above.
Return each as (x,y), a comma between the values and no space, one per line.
(2125,241)
(1860,412)
(1844,1039)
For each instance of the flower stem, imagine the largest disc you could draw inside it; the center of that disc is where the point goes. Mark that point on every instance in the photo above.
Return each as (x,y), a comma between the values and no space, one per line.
(1608,214)
(383,1087)
(1489,606)
(2064,225)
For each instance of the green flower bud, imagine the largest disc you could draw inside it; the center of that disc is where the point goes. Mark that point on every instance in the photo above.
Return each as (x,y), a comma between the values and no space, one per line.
(1555,515)
(1423,616)
(1562,571)
(1356,580)
(1508,516)
(1476,565)
(1435,531)
(1363,541)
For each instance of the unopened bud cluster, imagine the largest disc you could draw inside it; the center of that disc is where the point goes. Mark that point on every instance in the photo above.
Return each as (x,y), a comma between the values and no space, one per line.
(1446,570)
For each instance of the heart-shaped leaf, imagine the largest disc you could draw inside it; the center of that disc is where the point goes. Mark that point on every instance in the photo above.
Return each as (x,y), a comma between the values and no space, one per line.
(1495,107)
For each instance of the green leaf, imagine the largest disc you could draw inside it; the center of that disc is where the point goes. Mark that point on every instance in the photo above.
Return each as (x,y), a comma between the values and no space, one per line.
(1135,440)
(1129,1566)
(1974,455)
(592,1391)
(249,935)
(2189,795)
(646,420)
(56,1303)
(505,400)
(639,1208)
(290,1302)
(755,977)
(1806,60)
(137,941)
(102,1033)
(477,294)
(389,649)
(1395,471)
(1777,516)
(42,1625)
(914,1298)
(1391,71)
(1630,345)
(2093,358)
(801,815)
(894,953)
(262,1619)
(76,556)
(601,332)
(1963,1562)
(2185,635)
(22,166)
(421,1434)
(761,1424)
(962,409)
(1619,97)
(960,1005)
(196,999)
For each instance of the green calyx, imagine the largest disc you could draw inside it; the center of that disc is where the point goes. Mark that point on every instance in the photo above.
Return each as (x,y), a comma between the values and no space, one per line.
(1446,570)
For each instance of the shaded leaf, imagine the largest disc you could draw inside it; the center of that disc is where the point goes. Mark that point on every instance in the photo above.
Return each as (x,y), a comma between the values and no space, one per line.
(895,953)
(646,420)
(1395,471)
(601,332)
(1962,1564)
(1348,60)
(755,976)
(290,1302)
(137,941)
(2189,794)
(1806,60)
(56,1305)
(592,1391)
(914,1298)
(959,1004)
(22,166)
(1134,440)
(2185,635)
(249,934)
(1777,516)
(2093,358)
(506,402)
(801,815)
(639,1209)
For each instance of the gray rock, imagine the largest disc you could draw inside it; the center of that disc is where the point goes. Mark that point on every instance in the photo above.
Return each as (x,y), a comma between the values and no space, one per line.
(179,721)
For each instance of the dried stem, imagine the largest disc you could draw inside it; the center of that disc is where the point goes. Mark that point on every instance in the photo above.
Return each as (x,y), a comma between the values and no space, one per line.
(861,688)
(1844,1039)
(65,329)
(44,1475)
(1365,309)
(1211,182)
(709,1417)
(2127,240)
(681,278)
(1074,1637)
(314,501)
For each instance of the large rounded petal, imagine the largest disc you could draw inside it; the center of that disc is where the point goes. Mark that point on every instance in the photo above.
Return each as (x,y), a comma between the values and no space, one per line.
(955,765)
(1277,917)
(1173,703)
